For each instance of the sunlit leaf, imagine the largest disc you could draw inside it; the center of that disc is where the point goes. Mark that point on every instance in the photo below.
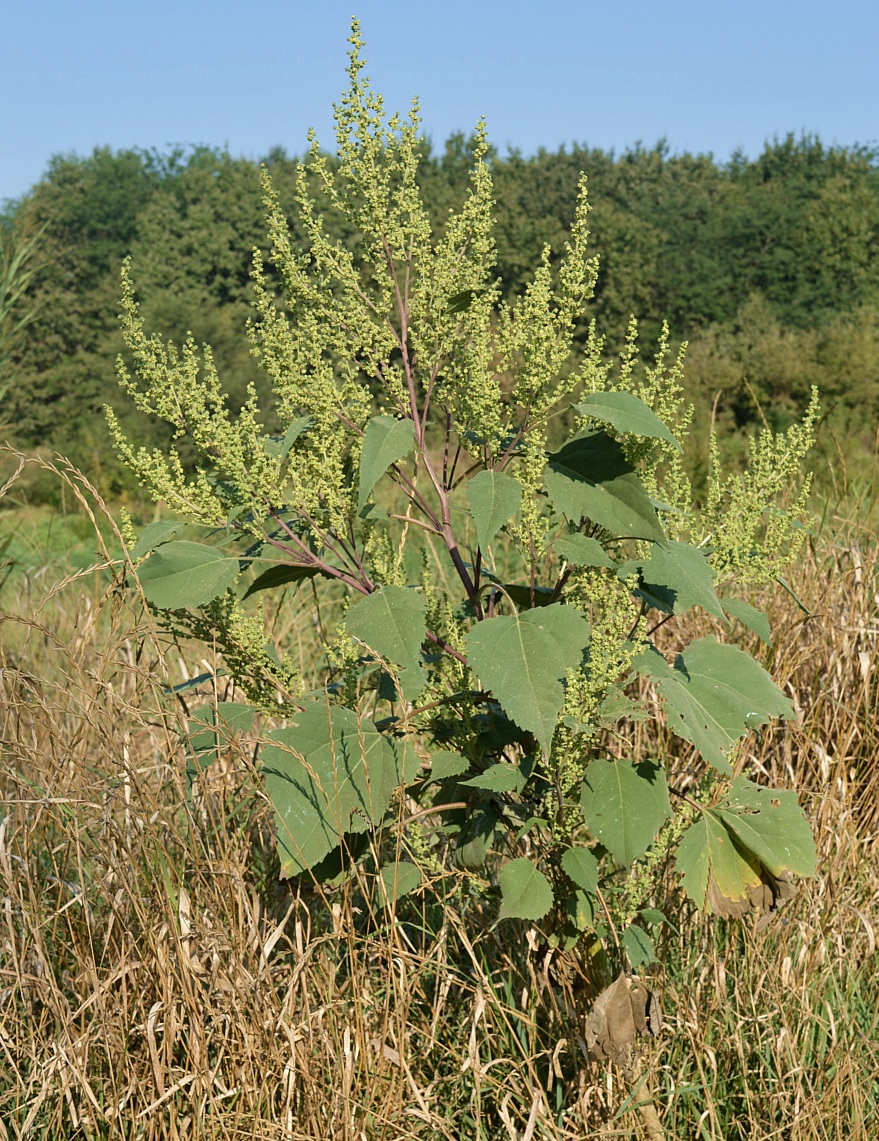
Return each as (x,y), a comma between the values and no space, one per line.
(391,621)
(625,805)
(583,551)
(494,499)
(385,441)
(740,855)
(627,413)
(182,573)
(523,660)
(714,694)
(327,774)
(749,616)
(525,891)
(683,572)
(590,477)
(581,867)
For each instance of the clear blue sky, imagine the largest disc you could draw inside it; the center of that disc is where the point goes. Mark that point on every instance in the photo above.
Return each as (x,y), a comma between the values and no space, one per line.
(707,75)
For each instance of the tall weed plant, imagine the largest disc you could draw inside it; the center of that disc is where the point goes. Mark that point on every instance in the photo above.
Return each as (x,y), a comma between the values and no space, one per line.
(496,606)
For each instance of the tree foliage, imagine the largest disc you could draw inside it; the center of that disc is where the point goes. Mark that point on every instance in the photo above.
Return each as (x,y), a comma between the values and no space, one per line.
(768,266)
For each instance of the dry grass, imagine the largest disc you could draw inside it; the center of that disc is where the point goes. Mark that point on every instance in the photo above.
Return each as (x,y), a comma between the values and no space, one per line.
(156,981)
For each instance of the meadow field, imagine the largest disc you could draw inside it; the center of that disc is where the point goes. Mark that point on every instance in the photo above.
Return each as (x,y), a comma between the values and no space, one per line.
(158,981)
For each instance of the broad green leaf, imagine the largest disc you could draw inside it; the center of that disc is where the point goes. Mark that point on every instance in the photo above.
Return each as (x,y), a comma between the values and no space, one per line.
(446,765)
(461,302)
(524,659)
(582,551)
(521,595)
(580,908)
(327,774)
(770,823)
(591,478)
(204,744)
(625,805)
(475,838)
(391,621)
(182,574)
(749,616)
(373,513)
(525,891)
(399,879)
(154,534)
(715,694)
(740,855)
(638,946)
(684,572)
(278,446)
(280,575)
(716,875)
(627,413)
(494,499)
(581,867)
(498,778)
(385,441)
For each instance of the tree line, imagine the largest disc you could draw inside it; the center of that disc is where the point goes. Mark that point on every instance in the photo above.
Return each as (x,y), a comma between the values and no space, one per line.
(768,267)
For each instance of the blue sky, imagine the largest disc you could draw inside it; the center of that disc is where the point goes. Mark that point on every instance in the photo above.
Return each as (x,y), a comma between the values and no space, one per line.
(707,75)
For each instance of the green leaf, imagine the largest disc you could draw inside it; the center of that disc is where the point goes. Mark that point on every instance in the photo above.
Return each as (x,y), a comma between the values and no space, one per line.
(580,909)
(739,855)
(278,446)
(521,595)
(715,874)
(497,778)
(771,825)
(524,659)
(280,575)
(684,571)
(638,946)
(399,879)
(385,441)
(625,805)
(715,694)
(494,499)
(582,551)
(204,744)
(475,838)
(581,867)
(391,621)
(627,413)
(591,478)
(183,574)
(525,891)
(443,766)
(373,513)
(154,534)
(755,620)
(326,775)
(461,302)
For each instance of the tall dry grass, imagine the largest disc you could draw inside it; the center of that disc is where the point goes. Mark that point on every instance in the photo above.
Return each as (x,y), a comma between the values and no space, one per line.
(158,982)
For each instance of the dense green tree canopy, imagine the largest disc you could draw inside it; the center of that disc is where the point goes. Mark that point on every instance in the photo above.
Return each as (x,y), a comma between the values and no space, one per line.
(770,267)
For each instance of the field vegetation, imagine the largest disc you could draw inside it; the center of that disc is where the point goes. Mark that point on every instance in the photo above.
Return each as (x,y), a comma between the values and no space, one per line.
(158,981)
